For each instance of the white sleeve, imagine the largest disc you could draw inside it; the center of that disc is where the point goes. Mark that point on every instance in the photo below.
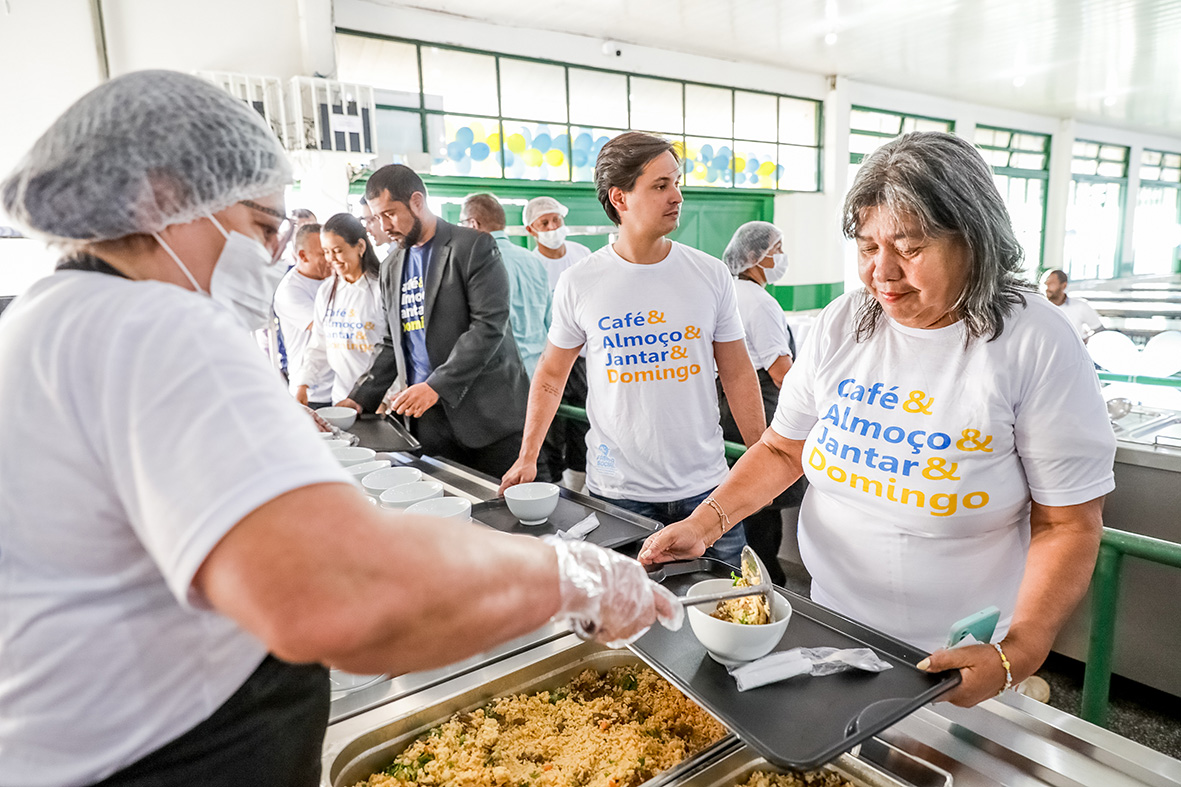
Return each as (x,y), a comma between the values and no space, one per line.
(565,332)
(313,365)
(1091,317)
(766,335)
(729,325)
(795,415)
(1062,431)
(199,433)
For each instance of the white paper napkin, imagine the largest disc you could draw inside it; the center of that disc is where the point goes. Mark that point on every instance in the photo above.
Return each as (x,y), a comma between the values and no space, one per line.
(581,530)
(771,669)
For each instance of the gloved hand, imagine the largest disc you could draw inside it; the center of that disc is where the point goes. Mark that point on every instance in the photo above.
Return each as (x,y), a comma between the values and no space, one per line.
(608,597)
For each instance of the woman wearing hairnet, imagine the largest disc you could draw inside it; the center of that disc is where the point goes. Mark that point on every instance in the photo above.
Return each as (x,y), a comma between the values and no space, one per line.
(755,256)
(179,553)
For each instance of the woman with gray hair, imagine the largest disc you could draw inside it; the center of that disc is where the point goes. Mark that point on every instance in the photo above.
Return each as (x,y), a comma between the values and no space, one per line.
(181,553)
(949,423)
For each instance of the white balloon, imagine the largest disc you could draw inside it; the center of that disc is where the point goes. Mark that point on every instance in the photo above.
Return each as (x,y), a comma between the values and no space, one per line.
(1161,357)
(1115,352)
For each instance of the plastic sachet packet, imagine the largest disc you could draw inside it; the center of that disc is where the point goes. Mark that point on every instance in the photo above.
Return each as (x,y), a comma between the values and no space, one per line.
(816,662)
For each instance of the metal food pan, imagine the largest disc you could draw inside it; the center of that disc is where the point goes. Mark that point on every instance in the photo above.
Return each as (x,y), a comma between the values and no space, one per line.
(736,766)
(360,746)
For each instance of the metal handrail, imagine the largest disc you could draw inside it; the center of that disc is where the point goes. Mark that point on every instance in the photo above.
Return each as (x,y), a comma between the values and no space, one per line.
(1111,377)
(1105,580)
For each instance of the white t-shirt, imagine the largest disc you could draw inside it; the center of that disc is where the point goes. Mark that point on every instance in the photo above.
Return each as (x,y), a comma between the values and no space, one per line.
(923,456)
(575,252)
(142,425)
(345,341)
(1084,318)
(295,299)
(649,331)
(764,322)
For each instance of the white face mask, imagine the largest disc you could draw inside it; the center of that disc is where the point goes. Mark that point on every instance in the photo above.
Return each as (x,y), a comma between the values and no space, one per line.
(776,271)
(553,239)
(244,278)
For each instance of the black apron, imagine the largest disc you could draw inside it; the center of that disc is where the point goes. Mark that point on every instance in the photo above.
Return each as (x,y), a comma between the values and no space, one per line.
(268,734)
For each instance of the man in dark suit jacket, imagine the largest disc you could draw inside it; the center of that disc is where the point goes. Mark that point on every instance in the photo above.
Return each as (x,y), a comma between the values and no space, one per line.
(448,339)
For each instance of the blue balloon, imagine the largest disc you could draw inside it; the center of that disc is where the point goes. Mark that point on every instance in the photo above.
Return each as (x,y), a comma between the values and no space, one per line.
(721,162)
(480,151)
(527,134)
(463,167)
(707,153)
(464,136)
(600,142)
(740,178)
(583,141)
(562,143)
(542,142)
(779,170)
(456,151)
(752,165)
(439,160)
(724,151)
(579,157)
(754,179)
(509,158)
(711,176)
(727,176)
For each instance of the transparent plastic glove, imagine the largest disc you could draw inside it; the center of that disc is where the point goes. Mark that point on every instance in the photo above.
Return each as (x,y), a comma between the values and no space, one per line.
(608,597)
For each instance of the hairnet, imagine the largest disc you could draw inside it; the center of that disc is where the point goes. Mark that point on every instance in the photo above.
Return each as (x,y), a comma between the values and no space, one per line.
(750,245)
(540,206)
(142,152)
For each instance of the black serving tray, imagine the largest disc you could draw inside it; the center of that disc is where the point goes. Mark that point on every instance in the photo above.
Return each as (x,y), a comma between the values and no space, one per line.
(617,527)
(383,433)
(804,722)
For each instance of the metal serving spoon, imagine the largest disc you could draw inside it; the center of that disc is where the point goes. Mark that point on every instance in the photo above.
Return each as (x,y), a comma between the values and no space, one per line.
(753,571)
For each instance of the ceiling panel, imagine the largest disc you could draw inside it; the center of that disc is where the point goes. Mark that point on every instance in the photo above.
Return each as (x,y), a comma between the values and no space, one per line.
(1106,61)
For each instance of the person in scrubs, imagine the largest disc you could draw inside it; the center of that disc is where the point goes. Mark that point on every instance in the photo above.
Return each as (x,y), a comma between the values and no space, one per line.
(180,555)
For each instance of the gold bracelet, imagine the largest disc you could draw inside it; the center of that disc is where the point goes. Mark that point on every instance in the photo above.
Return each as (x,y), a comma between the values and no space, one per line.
(723,520)
(1008,673)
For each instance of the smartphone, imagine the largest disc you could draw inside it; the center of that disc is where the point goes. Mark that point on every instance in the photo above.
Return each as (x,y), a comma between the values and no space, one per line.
(980,625)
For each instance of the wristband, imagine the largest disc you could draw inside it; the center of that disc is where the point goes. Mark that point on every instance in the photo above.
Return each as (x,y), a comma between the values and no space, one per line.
(1008,671)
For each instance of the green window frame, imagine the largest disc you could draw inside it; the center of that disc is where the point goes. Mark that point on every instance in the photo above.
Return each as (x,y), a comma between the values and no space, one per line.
(1160,171)
(566,136)
(1097,169)
(1020,162)
(871,125)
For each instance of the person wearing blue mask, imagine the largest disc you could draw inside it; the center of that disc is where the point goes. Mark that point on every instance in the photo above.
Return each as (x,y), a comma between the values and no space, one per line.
(182,555)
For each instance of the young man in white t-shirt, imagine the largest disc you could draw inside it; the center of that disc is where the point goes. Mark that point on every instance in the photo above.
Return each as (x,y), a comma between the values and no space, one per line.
(294,306)
(1080,313)
(655,317)
(545,220)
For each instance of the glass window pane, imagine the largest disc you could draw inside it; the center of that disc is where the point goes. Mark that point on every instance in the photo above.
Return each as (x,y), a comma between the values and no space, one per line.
(1113,153)
(709,111)
(1151,157)
(1156,232)
(1084,166)
(390,67)
(754,165)
(926,124)
(865,144)
(459,81)
(399,134)
(711,159)
(985,136)
(798,169)
(536,151)
(1086,149)
(656,104)
(597,98)
(996,158)
(532,90)
(1150,173)
(1024,199)
(1092,230)
(754,116)
(462,145)
(797,121)
(1028,161)
(1035,143)
(588,141)
(1171,175)
(1112,169)
(867,120)
(1172,160)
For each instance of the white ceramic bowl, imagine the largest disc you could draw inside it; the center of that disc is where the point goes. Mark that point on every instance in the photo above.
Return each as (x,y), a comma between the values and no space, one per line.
(353,456)
(532,503)
(389,477)
(327,436)
(365,468)
(406,495)
(336,442)
(728,642)
(444,508)
(340,417)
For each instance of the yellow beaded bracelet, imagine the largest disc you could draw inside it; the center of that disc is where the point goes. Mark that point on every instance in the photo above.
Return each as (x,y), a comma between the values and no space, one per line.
(1008,671)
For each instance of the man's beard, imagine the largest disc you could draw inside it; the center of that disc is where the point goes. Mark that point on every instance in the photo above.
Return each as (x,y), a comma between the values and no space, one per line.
(410,239)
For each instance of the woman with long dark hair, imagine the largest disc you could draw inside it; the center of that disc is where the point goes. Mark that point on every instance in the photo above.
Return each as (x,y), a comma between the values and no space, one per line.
(348,316)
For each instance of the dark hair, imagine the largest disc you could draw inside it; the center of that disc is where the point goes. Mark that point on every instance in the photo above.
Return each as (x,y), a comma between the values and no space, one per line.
(351,230)
(944,183)
(303,232)
(303,213)
(622,160)
(1061,274)
(398,180)
(486,209)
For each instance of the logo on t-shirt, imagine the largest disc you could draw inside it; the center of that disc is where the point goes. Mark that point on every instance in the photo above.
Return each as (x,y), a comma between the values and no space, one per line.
(604,462)
(644,348)
(413,304)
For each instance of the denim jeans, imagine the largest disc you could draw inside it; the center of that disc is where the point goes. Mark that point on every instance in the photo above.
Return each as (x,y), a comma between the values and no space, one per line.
(728,548)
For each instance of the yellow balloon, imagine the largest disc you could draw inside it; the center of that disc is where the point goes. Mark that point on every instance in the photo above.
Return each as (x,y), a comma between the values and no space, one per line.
(767,167)
(477,132)
(554,157)
(699,171)
(516,143)
(532,156)
(739,164)
(494,142)
(691,154)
